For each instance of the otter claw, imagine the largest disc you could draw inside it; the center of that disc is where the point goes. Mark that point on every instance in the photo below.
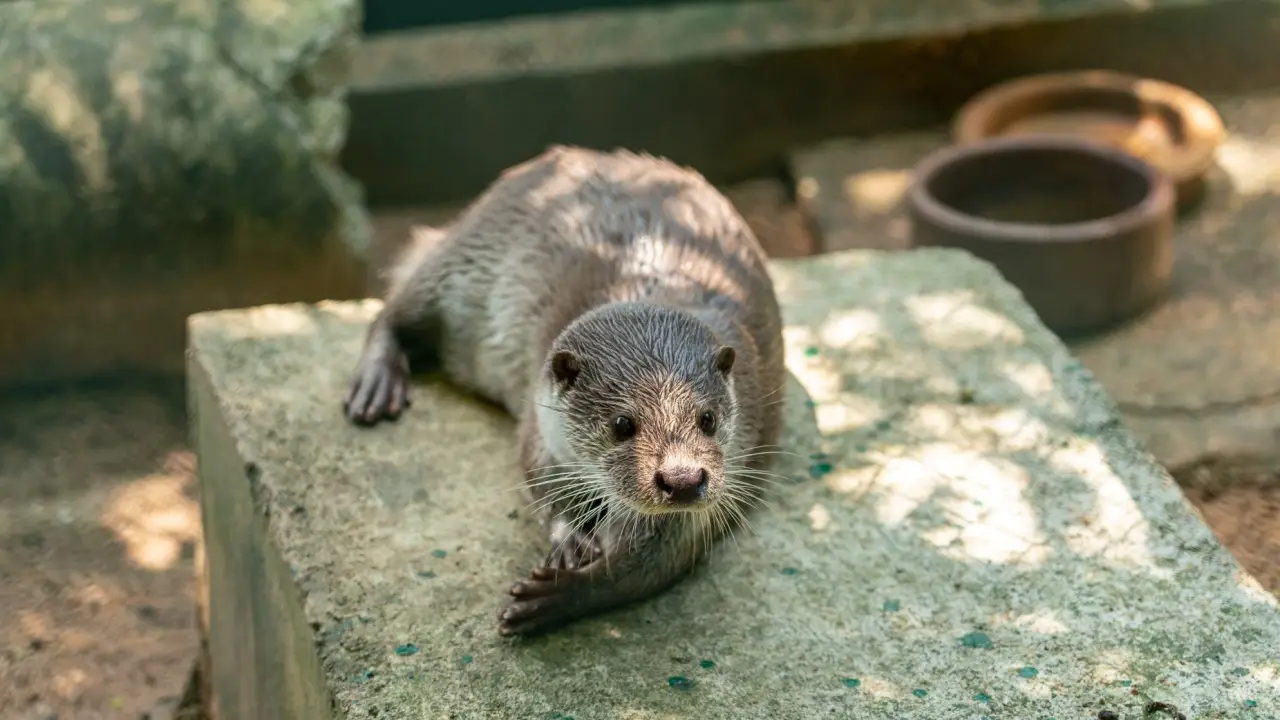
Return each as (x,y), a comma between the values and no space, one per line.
(380,390)
(539,602)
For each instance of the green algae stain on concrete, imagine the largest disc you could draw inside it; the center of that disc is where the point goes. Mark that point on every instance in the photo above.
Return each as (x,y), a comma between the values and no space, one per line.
(979,640)
(679,682)
(1027,672)
(820,469)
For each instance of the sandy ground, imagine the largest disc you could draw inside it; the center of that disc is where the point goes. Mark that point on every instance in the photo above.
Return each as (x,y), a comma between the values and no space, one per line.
(98,525)
(1240,500)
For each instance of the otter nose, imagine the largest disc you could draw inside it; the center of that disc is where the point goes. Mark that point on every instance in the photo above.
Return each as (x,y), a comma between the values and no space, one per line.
(681,485)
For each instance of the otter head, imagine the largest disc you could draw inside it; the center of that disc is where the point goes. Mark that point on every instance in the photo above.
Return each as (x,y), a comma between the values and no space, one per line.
(642,398)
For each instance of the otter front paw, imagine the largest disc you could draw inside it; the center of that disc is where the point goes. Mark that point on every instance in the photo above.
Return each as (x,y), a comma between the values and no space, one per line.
(548,598)
(572,551)
(380,390)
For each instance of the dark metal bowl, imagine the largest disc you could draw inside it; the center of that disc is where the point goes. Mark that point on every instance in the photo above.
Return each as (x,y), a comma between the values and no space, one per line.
(1083,230)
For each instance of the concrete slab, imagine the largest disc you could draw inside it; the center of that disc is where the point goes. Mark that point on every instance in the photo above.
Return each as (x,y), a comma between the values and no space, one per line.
(969,531)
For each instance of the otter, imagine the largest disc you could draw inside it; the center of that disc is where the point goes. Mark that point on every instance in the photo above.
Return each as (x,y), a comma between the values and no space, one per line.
(618,306)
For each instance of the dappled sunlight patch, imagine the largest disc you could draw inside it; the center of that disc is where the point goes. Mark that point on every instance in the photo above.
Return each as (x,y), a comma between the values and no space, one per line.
(69,683)
(1112,666)
(854,482)
(271,321)
(263,13)
(1002,430)
(982,498)
(1037,381)
(1252,163)
(819,517)
(1114,528)
(821,380)
(34,623)
(154,518)
(53,95)
(91,594)
(12,154)
(849,413)
(952,320)
(1259,677)
(1252,590)
(853,330)
(902,485)
(878,191)
(881,688)
(1042,621)
(127,88)
(361,311)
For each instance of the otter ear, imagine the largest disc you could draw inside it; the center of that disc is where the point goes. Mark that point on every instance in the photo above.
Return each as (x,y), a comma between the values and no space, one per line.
(725,356)
(565,368)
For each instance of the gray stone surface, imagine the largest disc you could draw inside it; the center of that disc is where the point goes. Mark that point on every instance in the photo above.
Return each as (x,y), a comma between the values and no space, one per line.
(979,537)
(159,158)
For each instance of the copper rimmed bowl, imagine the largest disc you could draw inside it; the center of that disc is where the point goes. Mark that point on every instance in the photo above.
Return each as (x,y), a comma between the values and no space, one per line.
(1083,230)
(1168,126)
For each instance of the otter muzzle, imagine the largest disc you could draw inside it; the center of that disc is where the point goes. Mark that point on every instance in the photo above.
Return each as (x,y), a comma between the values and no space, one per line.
(682,485)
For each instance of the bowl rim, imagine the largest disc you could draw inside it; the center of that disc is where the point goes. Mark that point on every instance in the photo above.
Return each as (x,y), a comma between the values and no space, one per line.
(1201,122)
(1157,204)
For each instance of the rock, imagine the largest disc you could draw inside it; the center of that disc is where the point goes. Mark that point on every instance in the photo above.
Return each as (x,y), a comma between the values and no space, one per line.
(966,528)
(157,159)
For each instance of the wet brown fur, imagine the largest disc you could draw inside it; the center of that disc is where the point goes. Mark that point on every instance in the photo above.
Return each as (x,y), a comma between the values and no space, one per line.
(583,285)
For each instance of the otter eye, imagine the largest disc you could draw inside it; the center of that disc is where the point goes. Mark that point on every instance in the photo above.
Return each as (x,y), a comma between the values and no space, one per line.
(707,423)
(624,428)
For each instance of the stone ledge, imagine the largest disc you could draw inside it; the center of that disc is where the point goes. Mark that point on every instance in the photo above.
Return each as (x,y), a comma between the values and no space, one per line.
(969,529)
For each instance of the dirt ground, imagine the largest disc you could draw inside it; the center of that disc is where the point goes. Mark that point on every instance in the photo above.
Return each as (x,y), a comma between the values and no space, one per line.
(98,525)
(1240,500)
